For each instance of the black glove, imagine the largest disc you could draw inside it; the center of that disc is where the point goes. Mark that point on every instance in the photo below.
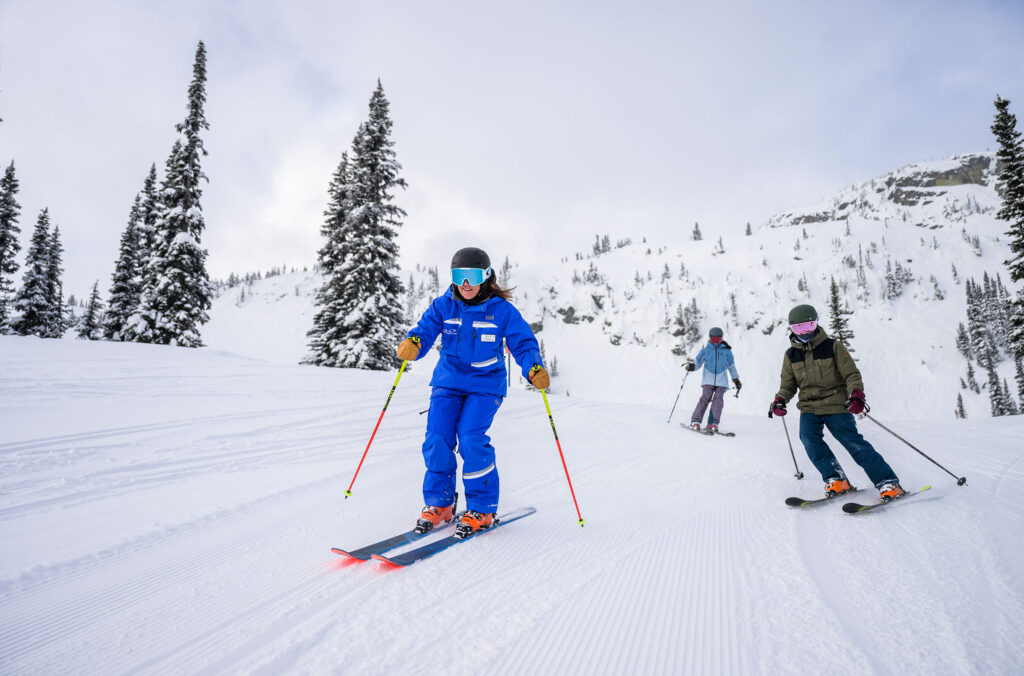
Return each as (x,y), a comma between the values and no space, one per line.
(737,383)
(690,366)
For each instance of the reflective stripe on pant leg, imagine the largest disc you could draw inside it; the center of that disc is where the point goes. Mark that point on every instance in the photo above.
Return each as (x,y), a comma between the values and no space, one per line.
(843,427)
(479,471)
(812,435)
(439,447)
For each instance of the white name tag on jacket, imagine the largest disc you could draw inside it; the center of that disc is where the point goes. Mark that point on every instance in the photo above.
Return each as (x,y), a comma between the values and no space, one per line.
(488,337)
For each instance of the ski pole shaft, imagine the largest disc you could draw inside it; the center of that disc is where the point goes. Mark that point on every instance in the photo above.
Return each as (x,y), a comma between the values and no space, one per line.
(960,481)
(348,491)
(580,520)
(670,413)
(799,474)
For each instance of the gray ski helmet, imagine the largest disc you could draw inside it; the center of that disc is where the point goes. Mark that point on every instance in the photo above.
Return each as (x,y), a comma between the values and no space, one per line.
(803,313)
(715,332)
(471,257)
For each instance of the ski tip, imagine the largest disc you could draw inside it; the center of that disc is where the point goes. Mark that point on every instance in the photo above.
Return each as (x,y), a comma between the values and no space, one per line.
(925,488)
(348,555)
(852,507)
(795,502)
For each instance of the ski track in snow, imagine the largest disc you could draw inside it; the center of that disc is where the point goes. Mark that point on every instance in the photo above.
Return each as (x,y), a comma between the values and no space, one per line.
(199,540)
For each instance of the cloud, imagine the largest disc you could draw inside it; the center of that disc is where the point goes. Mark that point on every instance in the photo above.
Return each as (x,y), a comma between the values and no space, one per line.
(531,125)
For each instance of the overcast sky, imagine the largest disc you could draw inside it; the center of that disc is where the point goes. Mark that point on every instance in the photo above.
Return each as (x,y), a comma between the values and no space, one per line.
(523,127)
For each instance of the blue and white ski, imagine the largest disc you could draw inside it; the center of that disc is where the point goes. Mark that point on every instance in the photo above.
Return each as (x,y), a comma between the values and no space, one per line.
(412,556)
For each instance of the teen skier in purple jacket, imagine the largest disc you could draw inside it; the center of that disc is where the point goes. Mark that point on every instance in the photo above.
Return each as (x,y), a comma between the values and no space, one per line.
(474,319)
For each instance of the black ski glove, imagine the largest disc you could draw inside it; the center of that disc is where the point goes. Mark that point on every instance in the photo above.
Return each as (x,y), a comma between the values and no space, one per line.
(690,366)
(737,383)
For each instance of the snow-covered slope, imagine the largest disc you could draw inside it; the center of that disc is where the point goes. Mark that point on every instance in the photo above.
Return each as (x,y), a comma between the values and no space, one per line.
(165,510)
(608,318)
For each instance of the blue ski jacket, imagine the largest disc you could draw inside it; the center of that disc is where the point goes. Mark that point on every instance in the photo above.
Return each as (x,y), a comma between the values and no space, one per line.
(716,360)
(471,343)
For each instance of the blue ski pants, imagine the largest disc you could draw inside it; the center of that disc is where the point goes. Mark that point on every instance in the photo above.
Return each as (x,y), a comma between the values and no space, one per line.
(843,427)
(462,419)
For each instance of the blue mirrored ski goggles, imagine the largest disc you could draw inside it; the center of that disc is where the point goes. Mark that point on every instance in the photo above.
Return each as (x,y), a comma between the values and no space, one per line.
(474,276)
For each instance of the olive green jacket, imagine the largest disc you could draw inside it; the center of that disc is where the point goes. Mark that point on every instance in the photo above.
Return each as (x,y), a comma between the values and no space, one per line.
(824,373)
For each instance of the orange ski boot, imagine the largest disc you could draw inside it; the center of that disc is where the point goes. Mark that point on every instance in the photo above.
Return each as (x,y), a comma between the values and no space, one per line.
(432,516)
(472,522)
(890,491)
(836,487)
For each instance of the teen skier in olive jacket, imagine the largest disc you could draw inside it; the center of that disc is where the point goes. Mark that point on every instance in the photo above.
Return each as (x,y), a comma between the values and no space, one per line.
(831,390)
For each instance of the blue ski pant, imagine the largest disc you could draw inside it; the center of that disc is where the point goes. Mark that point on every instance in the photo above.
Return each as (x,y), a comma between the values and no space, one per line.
(460,419)
(843,427)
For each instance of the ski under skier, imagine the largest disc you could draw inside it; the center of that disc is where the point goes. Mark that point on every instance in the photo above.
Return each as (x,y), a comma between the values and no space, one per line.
(831,391)
(718,362)
(474,318)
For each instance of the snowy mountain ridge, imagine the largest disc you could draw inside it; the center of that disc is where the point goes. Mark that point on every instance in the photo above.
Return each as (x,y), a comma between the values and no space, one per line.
(619,319)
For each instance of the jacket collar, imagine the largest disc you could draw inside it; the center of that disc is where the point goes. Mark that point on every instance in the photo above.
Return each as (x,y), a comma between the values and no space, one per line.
(450,293)
(819,337)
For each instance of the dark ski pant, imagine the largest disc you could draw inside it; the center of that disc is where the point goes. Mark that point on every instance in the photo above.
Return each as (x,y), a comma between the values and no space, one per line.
(712,395)
(844,428)
(461,418)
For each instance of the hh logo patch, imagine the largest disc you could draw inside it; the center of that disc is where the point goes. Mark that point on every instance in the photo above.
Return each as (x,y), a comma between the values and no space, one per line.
(488,337)
(491,317)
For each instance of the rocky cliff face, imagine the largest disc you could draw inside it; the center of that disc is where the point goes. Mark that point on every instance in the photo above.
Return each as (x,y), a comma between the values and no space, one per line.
(947,185)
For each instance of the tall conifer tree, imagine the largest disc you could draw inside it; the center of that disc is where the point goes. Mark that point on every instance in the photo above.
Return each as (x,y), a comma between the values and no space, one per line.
(838,313)
(359,318)
(9,244)
(33,298)
(126,286)
(1011,185)
(91,326)
(60,317)
(177,290)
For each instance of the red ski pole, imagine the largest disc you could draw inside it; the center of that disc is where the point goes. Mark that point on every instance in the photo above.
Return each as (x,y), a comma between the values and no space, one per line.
(581,520)
(348,491)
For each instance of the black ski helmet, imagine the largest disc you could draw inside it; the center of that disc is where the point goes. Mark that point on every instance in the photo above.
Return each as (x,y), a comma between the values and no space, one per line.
(715,332)
(803,313)
(471,257)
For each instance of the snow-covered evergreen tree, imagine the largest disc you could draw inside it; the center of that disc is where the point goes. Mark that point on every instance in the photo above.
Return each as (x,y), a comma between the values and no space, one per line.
(1011,186)
(60,317)
(1008,401)
(177,291)
(963,342)
(1019,377)
(33,299)
(91,325)
(972,381)
(960,410)
(126,285)
(995,393)
(838,312)
(9,243)
(697,236)
(327,334)
(359,319)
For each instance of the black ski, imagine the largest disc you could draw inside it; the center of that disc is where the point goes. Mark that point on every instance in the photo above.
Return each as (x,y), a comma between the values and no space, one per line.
(854,508)
(801,502)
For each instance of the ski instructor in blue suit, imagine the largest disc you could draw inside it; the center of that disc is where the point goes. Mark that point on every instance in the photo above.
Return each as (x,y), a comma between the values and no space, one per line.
(474,318)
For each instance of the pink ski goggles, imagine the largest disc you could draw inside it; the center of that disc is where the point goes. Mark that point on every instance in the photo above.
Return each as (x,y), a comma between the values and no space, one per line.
(803,328)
